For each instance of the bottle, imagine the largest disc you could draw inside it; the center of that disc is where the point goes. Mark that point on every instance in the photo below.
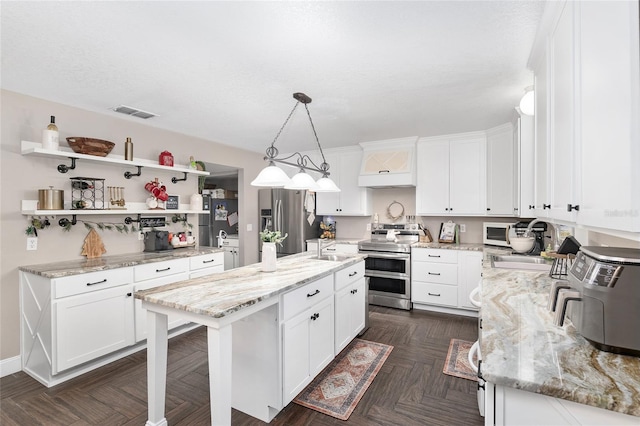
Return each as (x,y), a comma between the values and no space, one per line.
(50,138)
(128,150)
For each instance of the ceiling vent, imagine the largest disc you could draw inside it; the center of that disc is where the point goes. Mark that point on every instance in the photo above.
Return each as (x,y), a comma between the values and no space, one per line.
(134,112)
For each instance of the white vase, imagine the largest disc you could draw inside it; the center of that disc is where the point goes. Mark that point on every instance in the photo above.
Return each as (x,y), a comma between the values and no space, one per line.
(268,257)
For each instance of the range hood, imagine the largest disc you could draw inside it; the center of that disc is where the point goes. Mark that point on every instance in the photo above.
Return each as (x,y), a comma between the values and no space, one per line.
(388,163)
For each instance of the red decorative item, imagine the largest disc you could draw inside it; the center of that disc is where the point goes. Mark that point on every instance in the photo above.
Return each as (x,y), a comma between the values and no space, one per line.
(157,190)
(166,159)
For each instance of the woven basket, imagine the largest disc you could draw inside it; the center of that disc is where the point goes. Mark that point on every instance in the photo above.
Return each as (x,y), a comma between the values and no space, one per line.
(90,146)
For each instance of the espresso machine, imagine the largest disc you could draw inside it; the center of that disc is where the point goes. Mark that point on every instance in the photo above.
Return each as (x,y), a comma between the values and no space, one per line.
(538,230)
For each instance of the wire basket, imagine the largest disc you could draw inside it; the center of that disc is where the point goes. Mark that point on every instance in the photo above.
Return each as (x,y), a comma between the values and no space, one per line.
(87,193)
(561,265)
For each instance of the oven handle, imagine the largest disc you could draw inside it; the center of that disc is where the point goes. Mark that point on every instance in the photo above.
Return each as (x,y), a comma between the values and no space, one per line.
(374,254)
(383,274)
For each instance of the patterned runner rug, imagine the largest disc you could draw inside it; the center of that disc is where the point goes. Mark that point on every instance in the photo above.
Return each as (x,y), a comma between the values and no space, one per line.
(339,387)
(457,363)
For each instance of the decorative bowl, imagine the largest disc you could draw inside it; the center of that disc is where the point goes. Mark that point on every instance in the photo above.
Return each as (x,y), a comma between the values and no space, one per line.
(522,244)
(90,146)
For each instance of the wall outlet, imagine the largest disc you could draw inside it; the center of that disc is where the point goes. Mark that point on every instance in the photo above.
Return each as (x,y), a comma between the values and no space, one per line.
(140,236)
(249,227)
(463,227)
(32,243)
(368,227)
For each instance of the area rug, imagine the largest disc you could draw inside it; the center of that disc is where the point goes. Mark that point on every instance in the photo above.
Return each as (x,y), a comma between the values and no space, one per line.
(339,387)
(457,363)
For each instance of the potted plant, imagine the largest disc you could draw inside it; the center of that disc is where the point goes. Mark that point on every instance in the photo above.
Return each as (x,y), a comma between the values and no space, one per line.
(269,241)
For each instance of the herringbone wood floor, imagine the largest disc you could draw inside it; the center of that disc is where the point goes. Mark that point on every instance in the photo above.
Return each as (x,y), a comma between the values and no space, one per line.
(410,389)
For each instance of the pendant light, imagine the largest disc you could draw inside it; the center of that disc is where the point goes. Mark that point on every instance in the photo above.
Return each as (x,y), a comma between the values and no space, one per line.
(273,176)
(527,103)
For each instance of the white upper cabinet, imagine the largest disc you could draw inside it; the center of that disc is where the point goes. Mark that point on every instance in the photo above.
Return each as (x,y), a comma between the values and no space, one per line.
(525,159)
(352,200)
(388,163)
(452,175)
(501,171)
(587,77)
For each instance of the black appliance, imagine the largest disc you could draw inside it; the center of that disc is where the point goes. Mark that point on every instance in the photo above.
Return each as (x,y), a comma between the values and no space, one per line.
(538,229)
(155,241)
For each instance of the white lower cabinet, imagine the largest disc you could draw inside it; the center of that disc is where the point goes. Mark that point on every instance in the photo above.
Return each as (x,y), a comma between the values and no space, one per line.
(74,324)
(90,325)
(442,279)
(338,248)
(307,346)
(505,406)
(206,264)
(350,304)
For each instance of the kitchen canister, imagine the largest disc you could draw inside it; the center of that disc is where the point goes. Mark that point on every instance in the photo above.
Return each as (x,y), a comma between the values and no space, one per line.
(50,199)
(196,202)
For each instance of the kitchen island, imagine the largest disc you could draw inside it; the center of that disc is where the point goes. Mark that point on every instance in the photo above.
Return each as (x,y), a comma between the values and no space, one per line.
(546,373)
(262,310)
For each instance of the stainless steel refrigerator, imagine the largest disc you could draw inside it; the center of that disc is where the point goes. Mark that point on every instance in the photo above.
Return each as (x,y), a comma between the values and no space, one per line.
(211,224)
(288,211)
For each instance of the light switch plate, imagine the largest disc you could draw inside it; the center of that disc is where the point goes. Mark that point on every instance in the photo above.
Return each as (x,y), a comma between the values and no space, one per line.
(249,227)
(32,243)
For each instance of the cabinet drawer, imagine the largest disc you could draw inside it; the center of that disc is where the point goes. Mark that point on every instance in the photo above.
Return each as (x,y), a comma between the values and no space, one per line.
(434,294)
(439,273)
(92,281)
(301,298)
(349,274)
(153,270)
(434,255)
(206,261)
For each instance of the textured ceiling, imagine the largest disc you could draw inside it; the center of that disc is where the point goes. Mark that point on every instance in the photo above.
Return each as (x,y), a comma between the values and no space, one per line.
(226,71)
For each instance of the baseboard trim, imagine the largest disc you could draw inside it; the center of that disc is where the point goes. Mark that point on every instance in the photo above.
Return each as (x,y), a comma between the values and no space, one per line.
(10,366)
(445,310)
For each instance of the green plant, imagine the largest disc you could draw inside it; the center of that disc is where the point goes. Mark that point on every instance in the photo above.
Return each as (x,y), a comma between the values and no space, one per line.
(35,224)
(272,236)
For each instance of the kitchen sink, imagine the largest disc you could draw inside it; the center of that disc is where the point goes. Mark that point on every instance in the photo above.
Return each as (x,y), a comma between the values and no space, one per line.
(332,257)
(514,261)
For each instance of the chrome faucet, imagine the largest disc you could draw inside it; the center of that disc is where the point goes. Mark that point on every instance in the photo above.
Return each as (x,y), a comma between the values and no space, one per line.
(322,246)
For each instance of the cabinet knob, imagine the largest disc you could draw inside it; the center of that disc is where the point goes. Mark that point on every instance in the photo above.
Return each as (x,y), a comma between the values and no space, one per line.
(315,316)
(531,207)
(546,206)
(573,207)
(488,209)
(129,294)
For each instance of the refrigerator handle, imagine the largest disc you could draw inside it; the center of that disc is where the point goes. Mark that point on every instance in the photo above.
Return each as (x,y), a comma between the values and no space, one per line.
(280,213)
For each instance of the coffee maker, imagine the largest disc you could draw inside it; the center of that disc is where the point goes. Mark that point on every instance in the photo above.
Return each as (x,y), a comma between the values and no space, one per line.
(538,230)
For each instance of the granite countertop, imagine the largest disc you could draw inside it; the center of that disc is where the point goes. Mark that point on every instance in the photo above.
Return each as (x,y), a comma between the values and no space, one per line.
(450,246)
(222,294)
(521,348)
(83,266)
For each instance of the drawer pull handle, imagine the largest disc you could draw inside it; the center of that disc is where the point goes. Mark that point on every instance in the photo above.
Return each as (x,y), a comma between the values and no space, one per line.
(329,249)
(315,316)
(434,273)
(434,255)
(163,270)
(354,291)
(353,274)
(434,294)
(129,294)
(98,282)
(208,261)
(313,294)
(383,171)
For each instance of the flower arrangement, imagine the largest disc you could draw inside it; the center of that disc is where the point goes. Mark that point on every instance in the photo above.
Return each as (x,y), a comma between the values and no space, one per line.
(272,236)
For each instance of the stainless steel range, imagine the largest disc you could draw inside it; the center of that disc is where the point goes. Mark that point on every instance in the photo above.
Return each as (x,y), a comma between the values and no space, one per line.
(388,263)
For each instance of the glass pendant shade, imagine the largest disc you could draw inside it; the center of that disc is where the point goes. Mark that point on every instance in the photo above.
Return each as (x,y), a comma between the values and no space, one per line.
(527,103)
(271,176)
(326,185)
(302,180)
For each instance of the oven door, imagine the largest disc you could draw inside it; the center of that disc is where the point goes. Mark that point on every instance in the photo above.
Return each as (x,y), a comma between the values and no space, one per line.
(389,263)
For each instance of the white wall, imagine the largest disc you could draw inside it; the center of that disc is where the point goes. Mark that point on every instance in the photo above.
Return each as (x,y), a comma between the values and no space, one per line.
(23,118)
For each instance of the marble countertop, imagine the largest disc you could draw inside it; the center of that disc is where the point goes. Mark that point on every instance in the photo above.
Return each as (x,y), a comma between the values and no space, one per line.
(219,295)
(450,246)
(521,348)
(337,240)
(83,266)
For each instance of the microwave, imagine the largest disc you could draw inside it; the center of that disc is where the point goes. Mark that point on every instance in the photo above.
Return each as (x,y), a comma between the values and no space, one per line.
(496,234)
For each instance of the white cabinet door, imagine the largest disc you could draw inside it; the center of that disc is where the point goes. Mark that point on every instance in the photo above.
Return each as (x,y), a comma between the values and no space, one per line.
(469,275)
(609,183)
(90,325)
(359,306)
(308,341)
(562,122)
(525,134)
(541,138)
(501,171)
(352,200)
(467,177)
(343,318)
(432,189)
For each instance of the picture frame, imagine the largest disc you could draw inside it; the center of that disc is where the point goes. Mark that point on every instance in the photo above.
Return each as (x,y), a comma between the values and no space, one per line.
(173,202)
(448,231)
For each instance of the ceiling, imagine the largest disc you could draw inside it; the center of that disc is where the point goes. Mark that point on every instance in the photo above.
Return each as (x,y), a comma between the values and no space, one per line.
(226,71)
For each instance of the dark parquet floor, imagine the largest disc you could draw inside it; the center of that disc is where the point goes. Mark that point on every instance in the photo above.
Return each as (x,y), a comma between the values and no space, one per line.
(410,389)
